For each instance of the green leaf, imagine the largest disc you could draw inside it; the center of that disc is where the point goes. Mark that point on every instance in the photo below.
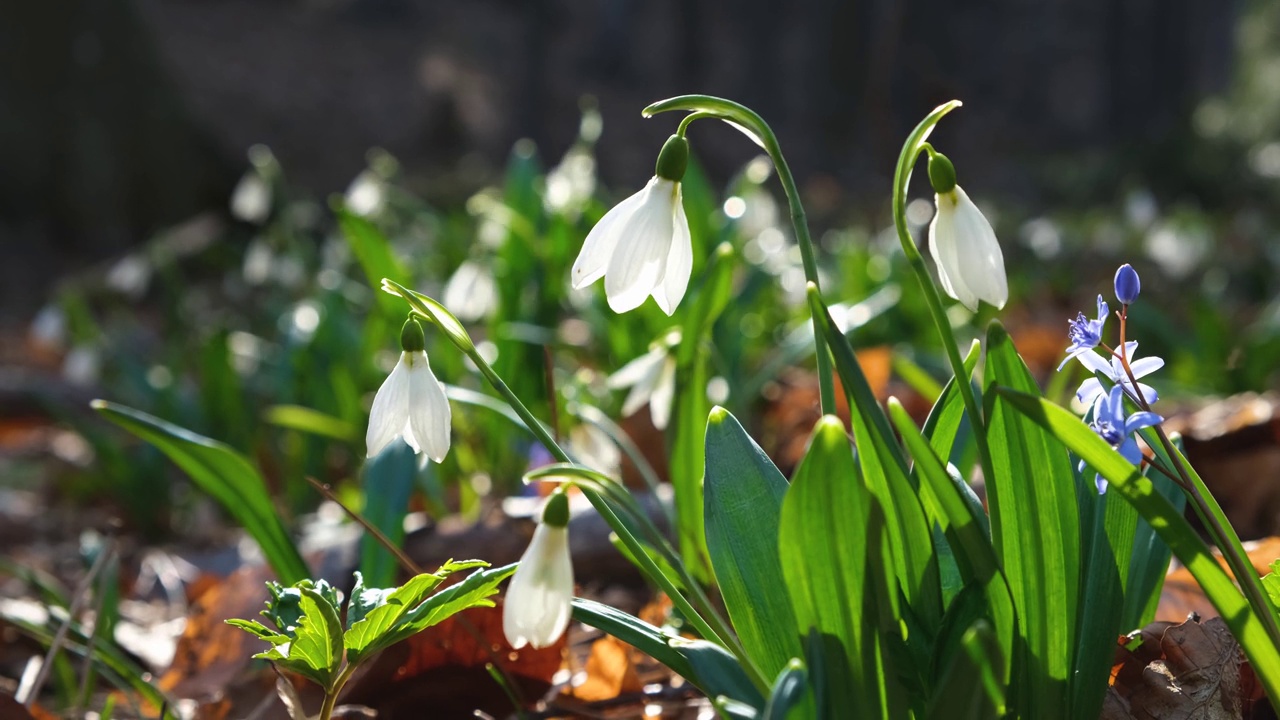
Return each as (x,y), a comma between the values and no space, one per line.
(943,425)
(744,492)
(790,692)
(971,687)
(831,541)
(1149,561)
(474,591)
(261,631)
(1128,482)
(388,483)
(946,499)
(434,312)
(226,476)
(318,641)
(377,612)
(884,469)
(372,251)
(1036,534)
(1271,581)
(711,668)
(304,419)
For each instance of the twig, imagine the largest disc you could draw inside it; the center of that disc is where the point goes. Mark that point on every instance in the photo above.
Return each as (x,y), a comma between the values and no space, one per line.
(77,606)
(405,561)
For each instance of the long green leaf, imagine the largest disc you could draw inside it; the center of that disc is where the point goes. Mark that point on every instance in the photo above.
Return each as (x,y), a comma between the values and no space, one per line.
(830,543)
(970,688)
(946,499)
(1168,523)
(744,492)
(226,476)
(372,251)
(1149,562)
(790,692)
(1035,531)
(884,469)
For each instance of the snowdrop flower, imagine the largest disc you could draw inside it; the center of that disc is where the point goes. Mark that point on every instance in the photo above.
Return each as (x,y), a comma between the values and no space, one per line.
(1110,423)
(471,293)
(1091,389)
(970,264)
(642,246)
(537,607)
(1085,334)
(411,402)
(652,379)
(251,199)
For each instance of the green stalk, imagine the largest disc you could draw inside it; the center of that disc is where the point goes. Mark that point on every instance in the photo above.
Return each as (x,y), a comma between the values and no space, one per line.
(703,106)
(901,177)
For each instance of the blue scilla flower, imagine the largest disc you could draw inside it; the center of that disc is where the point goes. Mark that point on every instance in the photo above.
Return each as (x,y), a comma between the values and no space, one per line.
(1110,423)
(1085,334)
(1127,284)
(1090,390)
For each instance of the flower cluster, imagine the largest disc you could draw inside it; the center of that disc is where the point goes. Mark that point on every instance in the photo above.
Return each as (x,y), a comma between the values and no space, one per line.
(1110,418)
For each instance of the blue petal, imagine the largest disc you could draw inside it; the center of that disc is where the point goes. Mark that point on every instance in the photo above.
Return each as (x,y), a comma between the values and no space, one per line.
(1140,420)
(1102,310)
(1101,482)
(1129,451)
(1089,391)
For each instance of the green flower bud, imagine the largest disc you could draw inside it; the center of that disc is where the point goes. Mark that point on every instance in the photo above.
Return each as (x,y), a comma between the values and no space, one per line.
(411,337)
(942,174)
(673,160)
(556,511)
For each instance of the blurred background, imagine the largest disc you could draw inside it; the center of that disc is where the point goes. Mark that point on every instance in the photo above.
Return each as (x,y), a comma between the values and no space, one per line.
(197,196)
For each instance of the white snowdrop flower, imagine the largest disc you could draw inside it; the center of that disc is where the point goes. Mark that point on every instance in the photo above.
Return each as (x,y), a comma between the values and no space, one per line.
(970,264)
(367,194)
(642,246)
(411,402)
(471,293)
(593,447)
(652,379)
(251,199)
(539,599)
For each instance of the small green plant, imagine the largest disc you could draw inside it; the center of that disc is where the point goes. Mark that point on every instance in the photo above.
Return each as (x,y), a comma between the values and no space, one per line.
(308,637)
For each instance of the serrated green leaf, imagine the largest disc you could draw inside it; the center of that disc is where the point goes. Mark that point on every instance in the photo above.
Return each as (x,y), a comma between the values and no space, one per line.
(318,640)
(1271,581)
(830,544)
(262,631)
(380,632)
(1036,534)
(226,476)
(378,610)
(744,492)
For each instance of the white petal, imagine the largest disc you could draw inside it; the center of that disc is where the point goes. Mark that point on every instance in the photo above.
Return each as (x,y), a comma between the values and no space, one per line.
(644,242)
(390,411)
(429,414)
(978,251)
(664,392)
(593,259)
(679,262)
(637,370)
(538,602)
(943,240)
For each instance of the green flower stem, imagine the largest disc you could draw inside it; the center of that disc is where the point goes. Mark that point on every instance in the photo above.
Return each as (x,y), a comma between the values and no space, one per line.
(331,694)
(703,106)
(901,177)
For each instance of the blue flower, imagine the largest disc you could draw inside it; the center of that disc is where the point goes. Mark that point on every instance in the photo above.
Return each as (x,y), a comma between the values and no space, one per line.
(1127,284)
(1110,423)
(1085,334)
(1091,389)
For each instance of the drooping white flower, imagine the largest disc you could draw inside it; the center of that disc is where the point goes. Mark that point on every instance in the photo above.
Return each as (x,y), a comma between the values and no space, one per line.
(642,246)
(471,293)
(411,403)
(970,263)
(652,379)
(538,603)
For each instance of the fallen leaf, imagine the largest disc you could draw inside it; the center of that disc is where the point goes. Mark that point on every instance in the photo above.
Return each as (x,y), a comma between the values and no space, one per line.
(609,671)
(1179,672)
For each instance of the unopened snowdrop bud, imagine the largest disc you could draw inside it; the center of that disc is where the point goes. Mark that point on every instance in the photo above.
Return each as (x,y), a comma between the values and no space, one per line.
(1127,284)
(411,403)
(538,603)
(970,263)
(642,246)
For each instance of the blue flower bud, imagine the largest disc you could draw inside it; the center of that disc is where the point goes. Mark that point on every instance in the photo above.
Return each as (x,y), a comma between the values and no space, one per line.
(1127,284)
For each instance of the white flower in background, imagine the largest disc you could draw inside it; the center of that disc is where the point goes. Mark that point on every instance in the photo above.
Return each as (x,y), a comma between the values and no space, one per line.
(411,402)
(571,183)
(251,200)
(539,599)
(366,194)
(593,447)
(970,264)
(642,246)
(471,293)
(652,379)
